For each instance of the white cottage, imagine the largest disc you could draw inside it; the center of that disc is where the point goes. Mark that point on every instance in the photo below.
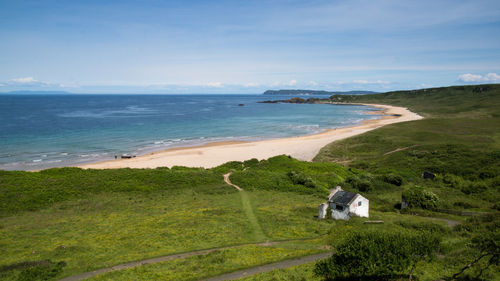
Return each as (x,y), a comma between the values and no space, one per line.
(344,204)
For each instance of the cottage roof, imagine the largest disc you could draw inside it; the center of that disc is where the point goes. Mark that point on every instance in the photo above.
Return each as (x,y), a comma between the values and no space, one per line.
(342,197)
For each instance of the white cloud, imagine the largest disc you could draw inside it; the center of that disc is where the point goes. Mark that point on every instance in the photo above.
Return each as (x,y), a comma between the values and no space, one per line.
(249,85)
(312,83)
(366,82)
(492,77)
(29,82)
(281,83)
(214,84)
(424,85)
(25,80)
(469,77)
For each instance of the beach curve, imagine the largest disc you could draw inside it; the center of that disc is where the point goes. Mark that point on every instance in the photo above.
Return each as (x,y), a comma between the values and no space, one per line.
(214,154)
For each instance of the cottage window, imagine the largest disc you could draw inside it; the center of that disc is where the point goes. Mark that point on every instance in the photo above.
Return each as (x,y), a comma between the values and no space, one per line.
(359,203)
(339,207)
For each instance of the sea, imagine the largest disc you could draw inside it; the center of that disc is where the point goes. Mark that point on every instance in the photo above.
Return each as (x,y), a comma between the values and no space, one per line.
(39,131)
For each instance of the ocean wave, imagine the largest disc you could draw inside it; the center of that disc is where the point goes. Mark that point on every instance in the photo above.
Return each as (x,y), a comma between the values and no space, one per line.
(129,111)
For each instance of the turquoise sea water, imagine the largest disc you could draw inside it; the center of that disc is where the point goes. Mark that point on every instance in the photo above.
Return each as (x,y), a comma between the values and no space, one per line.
(43,131)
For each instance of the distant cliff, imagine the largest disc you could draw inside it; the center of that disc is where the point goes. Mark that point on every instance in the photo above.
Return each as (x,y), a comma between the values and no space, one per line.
(314,92)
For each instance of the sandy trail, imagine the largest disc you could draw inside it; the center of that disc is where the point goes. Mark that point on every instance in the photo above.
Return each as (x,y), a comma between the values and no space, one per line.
(228,181)
(215,154)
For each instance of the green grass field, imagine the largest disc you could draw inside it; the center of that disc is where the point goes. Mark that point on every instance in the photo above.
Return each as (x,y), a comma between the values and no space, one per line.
(91,219)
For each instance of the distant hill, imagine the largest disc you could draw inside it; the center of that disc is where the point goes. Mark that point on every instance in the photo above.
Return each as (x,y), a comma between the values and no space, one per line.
(36,93)
(315,92)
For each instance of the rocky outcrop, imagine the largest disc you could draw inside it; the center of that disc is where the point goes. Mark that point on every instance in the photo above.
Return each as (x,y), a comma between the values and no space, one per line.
(293,100)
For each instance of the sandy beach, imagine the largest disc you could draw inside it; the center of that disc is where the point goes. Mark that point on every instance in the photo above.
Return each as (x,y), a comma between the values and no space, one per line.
(215,154)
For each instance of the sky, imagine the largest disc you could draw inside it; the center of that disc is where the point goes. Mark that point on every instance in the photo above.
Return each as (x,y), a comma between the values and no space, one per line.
(246,46)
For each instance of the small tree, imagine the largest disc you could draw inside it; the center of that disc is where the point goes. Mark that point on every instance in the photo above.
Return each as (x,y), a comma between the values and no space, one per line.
(488,245)
(377,256)
(420,198)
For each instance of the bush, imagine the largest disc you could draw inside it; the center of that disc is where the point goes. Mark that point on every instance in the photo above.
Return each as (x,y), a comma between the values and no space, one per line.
(464,205)
(44,271)
(474,187)
(363,183)
(301,179)
(417,197)
(496,206)
(453,180)
(393,179)
(377,255)
(252,163)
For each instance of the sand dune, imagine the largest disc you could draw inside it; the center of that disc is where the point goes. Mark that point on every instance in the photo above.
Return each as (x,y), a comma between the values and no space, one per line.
(214,154)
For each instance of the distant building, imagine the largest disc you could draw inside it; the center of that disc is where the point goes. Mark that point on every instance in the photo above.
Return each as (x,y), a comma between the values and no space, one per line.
(344,204)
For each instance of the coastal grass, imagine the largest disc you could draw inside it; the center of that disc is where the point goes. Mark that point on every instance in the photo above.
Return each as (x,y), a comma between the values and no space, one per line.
(229,260)
(91,219)
(458,141)
(233,259)
(304,272)
(212,264)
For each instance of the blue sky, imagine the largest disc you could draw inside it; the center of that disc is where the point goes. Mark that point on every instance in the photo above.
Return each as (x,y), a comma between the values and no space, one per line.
(246,46)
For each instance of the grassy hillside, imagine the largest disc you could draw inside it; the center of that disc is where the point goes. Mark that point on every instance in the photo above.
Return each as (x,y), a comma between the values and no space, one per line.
(451,102)
(91,219)
(459,142)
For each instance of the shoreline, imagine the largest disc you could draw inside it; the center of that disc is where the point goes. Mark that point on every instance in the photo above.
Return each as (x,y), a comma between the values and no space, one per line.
(217,153)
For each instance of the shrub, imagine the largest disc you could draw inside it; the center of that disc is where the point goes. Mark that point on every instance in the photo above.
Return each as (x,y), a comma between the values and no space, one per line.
(496,206)
(251,163)
(464,205)
(301,179)
(474,187)
(453,180)
(44,271)
(393,179)
(377,255)
(417,197)
(363,183)
(487,245)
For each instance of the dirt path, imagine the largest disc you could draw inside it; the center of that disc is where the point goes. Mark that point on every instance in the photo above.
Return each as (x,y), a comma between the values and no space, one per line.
(123,266)
(451,223)
(226,179)
(268,267)
(401,149)
(247,208)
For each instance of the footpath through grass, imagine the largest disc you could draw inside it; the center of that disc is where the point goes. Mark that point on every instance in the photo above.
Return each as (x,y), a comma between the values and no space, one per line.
(258,234)
(91,219)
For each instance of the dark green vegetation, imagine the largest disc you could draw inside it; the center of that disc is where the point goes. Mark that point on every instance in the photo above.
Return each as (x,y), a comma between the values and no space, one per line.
(60,222)
(458,143)
(314,92)
(294,100)
(378,255)
(90,219)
